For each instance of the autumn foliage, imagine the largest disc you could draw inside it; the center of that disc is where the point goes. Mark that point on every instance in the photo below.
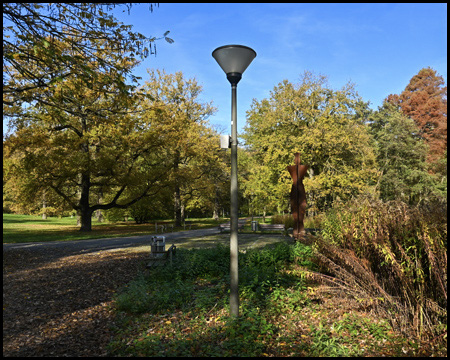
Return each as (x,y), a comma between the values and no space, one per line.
(392,256)
(425,101)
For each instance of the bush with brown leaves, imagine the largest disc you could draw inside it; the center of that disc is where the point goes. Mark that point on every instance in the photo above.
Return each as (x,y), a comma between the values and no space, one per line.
(390,256)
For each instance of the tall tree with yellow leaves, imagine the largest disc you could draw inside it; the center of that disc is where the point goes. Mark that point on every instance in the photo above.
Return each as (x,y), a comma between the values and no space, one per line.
(82,140)
(192,146)
(326,126)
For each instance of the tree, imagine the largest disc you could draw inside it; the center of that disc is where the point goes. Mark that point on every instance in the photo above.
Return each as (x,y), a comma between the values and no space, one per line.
(209,193)
(257,184)
(82,142)
(65,89)
(401,153)
(36,38)
(425,101)
(192,147)
(326,126)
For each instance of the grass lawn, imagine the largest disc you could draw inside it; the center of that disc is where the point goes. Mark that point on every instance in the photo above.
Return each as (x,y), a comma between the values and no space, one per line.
(29,228)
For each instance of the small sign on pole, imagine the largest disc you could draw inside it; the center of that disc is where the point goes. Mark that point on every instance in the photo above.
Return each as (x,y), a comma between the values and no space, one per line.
(225,142)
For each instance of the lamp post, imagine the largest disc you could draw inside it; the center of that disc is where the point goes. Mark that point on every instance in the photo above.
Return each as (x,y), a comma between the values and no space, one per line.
(234,59)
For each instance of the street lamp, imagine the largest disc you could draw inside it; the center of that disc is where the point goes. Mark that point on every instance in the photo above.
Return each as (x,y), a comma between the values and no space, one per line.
(234,59)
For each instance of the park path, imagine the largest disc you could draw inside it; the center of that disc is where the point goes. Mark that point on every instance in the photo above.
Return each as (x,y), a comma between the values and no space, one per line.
(92,245)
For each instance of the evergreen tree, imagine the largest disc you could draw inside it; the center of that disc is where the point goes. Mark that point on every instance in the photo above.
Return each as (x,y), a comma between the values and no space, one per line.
(401,153)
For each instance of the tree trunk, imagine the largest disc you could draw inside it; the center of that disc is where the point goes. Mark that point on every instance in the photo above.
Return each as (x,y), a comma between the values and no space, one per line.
(183,213)
(98,213)
(177,205)
(310,194)
(216,205)
(177,191)
(86,220)
(44,205)
(85,210)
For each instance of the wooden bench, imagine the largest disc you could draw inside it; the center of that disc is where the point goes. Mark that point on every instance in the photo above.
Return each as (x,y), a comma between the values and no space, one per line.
(156,261)
(279,227)
(162,227)
(227,226)
(159,227)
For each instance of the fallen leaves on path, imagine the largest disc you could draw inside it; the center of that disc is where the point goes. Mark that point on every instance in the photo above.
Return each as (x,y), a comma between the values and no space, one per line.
(58,305)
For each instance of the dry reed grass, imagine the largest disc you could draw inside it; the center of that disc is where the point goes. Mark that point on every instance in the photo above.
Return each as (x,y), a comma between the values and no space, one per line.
(391,258)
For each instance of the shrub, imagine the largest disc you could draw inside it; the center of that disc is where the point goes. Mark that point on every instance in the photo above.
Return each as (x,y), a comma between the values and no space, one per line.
(287,220)
(392,254)
(115,214)
(199,277)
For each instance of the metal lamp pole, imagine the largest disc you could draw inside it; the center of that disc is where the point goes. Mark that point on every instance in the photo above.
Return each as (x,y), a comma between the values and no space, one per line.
(234,211)
(234,59)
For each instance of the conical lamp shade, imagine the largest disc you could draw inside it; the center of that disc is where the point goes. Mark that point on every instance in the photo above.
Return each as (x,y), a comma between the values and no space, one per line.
(234,58)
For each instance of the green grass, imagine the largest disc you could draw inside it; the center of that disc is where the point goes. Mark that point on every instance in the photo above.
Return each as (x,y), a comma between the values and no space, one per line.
(182,310)
(29,228)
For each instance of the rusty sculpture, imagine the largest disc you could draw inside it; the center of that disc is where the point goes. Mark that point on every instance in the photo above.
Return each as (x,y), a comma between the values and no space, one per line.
(298,196)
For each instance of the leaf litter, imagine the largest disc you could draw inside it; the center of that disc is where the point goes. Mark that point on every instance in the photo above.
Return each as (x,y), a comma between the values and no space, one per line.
(58,305)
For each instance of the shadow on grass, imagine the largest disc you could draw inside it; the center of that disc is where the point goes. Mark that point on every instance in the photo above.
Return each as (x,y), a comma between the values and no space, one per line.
(9,220)
(40,254)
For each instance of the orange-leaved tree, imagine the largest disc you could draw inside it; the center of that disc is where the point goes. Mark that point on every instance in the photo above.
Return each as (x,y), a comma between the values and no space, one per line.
(425,101)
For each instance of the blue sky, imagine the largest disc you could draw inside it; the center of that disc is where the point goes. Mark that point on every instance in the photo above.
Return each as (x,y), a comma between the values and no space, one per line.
(378,47)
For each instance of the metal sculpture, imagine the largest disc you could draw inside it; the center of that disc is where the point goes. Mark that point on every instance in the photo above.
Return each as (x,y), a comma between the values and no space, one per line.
(298,196)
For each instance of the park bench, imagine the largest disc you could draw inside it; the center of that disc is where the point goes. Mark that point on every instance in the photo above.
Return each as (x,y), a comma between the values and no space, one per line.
(169,226)
(264,227)
(159,227)
(227,226)
(160,257)
(163,227)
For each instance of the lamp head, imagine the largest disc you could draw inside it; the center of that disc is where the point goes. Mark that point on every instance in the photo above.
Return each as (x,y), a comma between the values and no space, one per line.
(234,59)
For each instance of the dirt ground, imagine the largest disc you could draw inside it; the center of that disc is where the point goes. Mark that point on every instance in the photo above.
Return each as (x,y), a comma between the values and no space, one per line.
(56,303)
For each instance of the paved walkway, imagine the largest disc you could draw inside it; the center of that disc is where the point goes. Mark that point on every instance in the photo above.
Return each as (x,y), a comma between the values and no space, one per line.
(92,245)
